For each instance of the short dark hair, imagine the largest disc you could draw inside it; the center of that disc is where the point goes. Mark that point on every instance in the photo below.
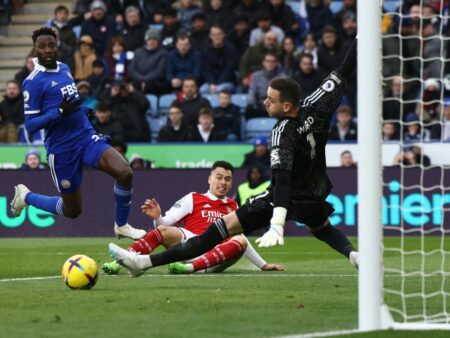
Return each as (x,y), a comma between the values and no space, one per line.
(61,8)
(206,111)
(98,63)
(328,29)
(305,55)
(183,36)
(289,89)
(271,53)
(103,106)
(222,164)
(43,31)
(226,92)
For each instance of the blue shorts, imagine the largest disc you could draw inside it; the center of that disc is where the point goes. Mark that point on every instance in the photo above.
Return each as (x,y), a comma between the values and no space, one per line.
(67,168)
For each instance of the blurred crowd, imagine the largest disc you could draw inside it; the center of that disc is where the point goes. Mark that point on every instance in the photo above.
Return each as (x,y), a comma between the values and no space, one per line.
(171,71)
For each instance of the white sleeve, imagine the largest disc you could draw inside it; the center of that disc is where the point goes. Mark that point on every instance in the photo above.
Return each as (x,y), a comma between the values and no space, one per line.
(177,212)
(253,256)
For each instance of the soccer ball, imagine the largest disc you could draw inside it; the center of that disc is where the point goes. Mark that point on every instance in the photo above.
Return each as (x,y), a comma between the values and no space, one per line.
(80,272)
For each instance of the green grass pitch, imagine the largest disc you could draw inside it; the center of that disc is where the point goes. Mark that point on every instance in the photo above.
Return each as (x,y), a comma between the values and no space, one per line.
(316,293)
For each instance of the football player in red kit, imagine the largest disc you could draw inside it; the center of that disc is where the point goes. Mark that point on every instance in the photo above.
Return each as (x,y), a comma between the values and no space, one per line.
(189,217)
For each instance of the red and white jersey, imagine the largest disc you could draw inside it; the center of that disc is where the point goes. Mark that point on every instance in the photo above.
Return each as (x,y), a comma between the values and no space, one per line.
(195,212)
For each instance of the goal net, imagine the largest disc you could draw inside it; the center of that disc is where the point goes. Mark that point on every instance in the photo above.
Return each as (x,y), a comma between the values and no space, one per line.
(415,208)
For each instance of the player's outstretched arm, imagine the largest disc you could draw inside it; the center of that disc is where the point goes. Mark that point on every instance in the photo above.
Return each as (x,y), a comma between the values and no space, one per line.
(348,65)
(33,123)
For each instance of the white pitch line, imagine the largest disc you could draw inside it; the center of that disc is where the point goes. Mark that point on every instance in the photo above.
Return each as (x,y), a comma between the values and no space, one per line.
(25,279)
(322,334)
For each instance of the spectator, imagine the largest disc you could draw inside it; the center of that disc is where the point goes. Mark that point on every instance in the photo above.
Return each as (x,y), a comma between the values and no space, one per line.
(390,132)
(260,156)
(25,70)
(329,53)
(65,53)
(217,14)
(219,63)
(347,33)
(185,11)
(175,130)
(239,36)
(431,100)
(84,58)
(153,11)
(431,47)
(147,71)
(394,102)
(256,184)
(319,16)
(257,91)
(60,23)
(264,22)
(11,107)
(249,9)
(206,131)
(414,132)
(87,98)
(8,131)
(103,123)
(445,133)
(138,162)
(227,117)
(347,159)
(310,47)
(133,32)
(283,17)
(129,108)
(118,59)
(183,62)
(288,56)
(100,27)
(307,76)
(345,129)
(170,29)
(252,59)
(412,155)
(117,8)
(347,5)
(33,160)
(190,102)
(98,80)
(199,32)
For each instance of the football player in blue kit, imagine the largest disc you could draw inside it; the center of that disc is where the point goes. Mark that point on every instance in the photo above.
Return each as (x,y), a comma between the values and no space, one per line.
(52,103)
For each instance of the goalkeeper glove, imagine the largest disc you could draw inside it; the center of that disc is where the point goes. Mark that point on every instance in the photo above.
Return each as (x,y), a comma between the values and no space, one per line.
(272,237)
(68,105)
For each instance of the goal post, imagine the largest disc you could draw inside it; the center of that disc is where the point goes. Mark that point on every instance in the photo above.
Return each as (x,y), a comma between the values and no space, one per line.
(404,278)
(369,164)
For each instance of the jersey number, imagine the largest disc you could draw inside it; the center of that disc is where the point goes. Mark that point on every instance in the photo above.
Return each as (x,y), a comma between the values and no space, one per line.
(312,143)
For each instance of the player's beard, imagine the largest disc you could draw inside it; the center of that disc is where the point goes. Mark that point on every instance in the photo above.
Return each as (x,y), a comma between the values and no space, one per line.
(48,62)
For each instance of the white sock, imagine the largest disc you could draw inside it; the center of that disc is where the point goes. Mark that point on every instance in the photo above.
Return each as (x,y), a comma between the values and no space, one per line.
(143,262)
(190,267)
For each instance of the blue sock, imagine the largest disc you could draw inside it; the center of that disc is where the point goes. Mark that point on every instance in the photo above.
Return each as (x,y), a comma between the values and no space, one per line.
(53,204)
(123,203)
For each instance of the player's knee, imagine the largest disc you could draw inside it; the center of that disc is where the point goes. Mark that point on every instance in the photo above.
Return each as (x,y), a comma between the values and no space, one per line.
(72,213)
(162,229)
(242,242)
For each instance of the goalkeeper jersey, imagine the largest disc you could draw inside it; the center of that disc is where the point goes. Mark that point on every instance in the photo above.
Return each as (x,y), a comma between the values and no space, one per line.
(298,144)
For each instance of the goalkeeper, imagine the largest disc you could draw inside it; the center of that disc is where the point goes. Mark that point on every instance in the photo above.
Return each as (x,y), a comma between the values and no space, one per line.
(299,185)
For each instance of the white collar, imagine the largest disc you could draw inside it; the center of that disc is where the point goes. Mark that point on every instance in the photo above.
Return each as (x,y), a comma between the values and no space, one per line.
(214,198)
(40,67)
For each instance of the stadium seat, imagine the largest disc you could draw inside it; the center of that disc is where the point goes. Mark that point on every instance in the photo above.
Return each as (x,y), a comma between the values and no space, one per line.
(153,100)
(336,6)
(391,5)
(77,31)
(259,126)
(156,123)
(295,6)
(213,99)
(157,27)
(240,100)
(165,101)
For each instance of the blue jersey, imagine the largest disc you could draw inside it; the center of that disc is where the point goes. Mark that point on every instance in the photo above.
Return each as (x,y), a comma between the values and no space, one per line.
(43,91)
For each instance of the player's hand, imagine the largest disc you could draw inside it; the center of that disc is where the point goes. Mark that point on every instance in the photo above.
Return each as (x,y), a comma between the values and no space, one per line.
(272,237)
(68,105)
(151,208)
(272,267)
